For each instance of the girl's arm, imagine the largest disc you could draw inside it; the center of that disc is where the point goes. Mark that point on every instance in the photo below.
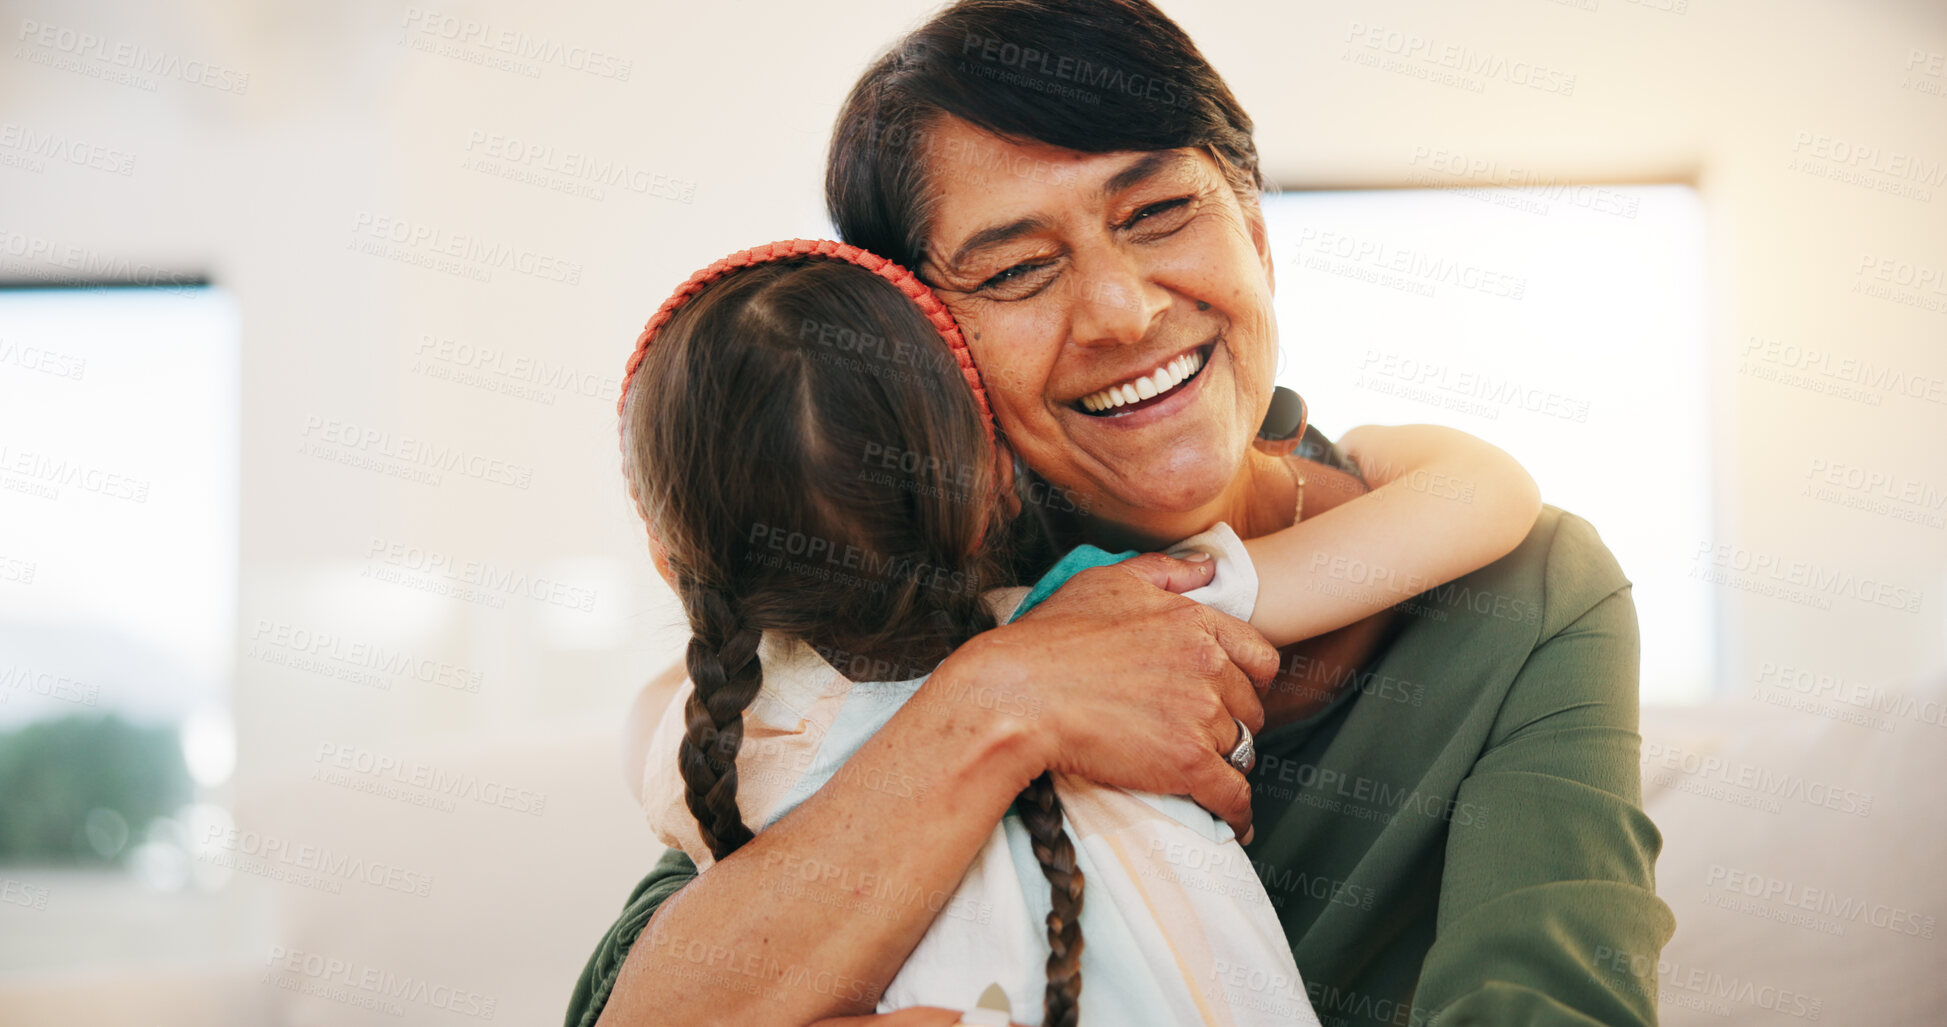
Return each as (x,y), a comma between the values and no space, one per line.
(1443,503)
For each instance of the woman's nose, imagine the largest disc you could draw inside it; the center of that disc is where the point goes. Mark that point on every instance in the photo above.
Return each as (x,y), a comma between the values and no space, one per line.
(1113,302)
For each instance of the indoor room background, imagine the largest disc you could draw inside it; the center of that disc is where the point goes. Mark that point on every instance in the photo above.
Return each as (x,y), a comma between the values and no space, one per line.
(312,523)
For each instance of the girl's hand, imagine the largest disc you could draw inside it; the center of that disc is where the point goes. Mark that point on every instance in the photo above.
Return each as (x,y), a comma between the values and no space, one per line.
(1117,679)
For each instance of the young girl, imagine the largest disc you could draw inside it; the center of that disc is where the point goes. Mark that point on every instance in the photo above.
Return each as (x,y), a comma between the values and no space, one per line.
(805,435)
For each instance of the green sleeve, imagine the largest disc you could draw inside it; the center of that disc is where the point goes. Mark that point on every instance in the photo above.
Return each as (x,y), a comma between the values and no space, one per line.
(1550,898)
(671,873)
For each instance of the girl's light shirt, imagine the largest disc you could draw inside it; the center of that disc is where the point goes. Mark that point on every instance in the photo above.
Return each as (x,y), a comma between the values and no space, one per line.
(1176,926)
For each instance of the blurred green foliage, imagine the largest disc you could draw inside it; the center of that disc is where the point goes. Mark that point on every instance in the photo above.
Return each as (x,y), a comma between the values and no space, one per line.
(55,773)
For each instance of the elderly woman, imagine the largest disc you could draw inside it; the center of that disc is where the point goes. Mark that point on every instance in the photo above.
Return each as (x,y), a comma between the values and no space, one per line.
(1446,806)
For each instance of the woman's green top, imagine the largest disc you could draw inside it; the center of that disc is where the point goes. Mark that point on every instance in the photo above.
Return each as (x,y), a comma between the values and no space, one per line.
(1459,837)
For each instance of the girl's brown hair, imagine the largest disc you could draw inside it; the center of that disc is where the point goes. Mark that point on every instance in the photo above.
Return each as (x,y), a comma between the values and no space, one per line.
(801,443)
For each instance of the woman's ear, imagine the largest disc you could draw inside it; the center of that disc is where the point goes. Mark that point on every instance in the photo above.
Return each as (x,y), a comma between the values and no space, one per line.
(1261,238)
(1010,499)
(659,555)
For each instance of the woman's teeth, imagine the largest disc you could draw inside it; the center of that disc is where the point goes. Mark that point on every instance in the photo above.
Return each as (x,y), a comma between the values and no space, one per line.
(1149,386)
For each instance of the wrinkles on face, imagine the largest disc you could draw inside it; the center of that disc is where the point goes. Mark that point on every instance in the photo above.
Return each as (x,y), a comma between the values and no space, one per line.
(1101,269)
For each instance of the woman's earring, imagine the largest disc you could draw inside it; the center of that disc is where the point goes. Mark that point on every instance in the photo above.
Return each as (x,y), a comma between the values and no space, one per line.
(1284,423)
(1011,497)
(1201,305)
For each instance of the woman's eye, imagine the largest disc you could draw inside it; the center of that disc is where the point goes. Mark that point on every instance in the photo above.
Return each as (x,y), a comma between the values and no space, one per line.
(1013,279)
(1154,210)
(1007,275)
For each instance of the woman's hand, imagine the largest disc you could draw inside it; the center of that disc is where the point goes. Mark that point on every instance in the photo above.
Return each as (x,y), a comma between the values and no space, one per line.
(1113,679)
(1118,679)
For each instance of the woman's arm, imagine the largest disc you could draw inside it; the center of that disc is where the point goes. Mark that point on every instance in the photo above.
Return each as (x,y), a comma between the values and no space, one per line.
(1443,503)
(912,1016)
(814,916)
(1548,910)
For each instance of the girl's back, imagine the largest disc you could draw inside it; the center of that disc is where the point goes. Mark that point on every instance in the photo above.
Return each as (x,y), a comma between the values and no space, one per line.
(1179,929)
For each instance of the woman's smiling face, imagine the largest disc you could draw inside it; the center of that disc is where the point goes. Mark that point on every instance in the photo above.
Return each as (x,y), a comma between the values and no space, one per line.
(1119,308)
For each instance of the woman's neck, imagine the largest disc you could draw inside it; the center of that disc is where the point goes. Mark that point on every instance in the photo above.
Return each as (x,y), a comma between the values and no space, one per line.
(1259,500)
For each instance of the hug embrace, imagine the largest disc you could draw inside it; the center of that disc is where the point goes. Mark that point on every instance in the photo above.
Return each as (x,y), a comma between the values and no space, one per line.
(1027,682)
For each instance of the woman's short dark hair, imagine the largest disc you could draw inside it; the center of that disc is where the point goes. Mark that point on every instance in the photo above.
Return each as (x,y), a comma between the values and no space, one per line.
(1094,76)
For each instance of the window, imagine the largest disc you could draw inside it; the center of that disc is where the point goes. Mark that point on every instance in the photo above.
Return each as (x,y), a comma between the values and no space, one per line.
(118,568)
(1565,325)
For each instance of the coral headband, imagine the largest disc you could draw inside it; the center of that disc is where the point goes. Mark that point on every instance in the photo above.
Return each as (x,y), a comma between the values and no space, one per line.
(902,279)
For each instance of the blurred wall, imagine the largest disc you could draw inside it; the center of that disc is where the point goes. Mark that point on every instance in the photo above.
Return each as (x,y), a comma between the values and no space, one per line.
(413,272)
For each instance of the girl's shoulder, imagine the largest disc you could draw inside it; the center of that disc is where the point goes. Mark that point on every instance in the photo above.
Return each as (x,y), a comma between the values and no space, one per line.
(1005,601)
(784,727)
(1218,540)
(1076,560)
(796,678)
